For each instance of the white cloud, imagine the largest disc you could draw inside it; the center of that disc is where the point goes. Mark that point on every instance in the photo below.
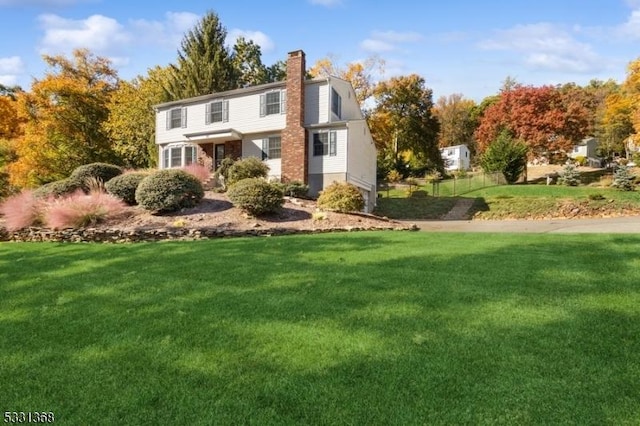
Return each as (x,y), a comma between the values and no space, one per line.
(168,32)
(11,65)
(378,46)
(546,46)
(10,68)
(631,28)
(387,41)
(258,37)
(98,33)
(326,3)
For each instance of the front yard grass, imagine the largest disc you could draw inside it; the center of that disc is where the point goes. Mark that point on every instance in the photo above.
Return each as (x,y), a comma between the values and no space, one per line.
(348,328)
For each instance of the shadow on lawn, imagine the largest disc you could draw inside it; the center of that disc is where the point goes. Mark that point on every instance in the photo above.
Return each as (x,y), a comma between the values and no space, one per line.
(359,328)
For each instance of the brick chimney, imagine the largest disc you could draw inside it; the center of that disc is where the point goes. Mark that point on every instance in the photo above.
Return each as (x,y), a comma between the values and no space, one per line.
(294,148)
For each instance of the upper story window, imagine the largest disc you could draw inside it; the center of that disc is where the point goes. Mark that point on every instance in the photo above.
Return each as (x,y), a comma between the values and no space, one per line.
(273,103)
(176,117)
(271,148)
(324,143)
(217,112)
(336,103)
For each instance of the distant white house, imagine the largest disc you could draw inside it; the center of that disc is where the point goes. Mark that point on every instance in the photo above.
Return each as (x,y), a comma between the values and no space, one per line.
(585,148)
(456,157)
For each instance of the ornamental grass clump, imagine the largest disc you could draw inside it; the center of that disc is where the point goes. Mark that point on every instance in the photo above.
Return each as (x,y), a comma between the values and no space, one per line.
(341,197)
(22,210)
(256,196)
(199,171)
(169,190)
(80,210)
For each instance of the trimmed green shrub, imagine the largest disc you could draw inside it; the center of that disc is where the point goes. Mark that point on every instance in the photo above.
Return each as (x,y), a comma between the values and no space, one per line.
(341,197)
(294,189)
(569,176)
(623,179)
(169,190)
(58,188)
(505,155)
(103,171)
(222,172)
(124,186)
(250,167)
(256,196)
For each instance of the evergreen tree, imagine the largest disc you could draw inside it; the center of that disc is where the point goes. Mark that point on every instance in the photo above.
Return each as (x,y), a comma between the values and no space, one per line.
(204,63)
(505,155)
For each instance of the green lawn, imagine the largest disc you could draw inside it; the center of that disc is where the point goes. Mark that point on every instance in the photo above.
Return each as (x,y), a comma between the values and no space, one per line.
(377,328)
(503,201)
(532,201)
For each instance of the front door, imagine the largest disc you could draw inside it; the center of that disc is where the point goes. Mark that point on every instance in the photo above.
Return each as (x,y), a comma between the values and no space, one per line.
(219,154)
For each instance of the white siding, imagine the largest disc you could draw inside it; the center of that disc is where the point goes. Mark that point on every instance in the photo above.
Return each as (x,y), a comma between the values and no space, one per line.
(252,147)
(361,157)
(244,116)
(326,163)
(312,104)
(316,103)
(350,107)
(456,157)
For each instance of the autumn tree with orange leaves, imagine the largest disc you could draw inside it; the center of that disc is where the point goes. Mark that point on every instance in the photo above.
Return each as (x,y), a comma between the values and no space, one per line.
(542,117)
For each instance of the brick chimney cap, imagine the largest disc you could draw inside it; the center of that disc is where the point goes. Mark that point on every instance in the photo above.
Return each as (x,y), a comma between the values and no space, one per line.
(295,53)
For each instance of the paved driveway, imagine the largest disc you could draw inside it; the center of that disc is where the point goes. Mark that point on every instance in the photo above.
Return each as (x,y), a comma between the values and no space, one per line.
(618,225)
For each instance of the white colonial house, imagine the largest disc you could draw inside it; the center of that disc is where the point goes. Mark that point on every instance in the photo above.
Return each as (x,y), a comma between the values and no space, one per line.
(457,157)
(311,131)
(586,148)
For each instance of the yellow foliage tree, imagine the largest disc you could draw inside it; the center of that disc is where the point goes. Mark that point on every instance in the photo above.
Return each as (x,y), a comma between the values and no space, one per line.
(131,124)
(359,74)
(64,115)
(9,123)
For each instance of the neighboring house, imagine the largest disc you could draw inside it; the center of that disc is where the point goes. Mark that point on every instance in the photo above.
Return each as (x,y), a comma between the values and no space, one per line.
(311,131)
(585,148)
(456,157)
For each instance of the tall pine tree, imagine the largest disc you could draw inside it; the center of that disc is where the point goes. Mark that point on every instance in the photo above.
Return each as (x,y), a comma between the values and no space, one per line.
(204,63)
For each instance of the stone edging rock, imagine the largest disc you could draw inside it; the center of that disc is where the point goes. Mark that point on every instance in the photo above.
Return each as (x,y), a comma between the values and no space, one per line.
(97,235)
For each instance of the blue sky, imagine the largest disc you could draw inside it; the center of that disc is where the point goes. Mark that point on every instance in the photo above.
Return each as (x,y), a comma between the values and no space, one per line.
(457,46)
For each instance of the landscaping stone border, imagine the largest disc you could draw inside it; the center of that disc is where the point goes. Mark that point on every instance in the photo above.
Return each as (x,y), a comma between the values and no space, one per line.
(99,235)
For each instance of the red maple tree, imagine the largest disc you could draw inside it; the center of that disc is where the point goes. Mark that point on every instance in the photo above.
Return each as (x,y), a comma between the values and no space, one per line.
(544,118)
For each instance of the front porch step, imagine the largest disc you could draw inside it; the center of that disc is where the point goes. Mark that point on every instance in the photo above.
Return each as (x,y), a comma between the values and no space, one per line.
(210,183)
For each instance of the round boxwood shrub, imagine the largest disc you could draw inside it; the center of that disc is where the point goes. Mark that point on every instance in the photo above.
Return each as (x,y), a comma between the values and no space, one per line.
(103,171)
(341,197)
(256,196)
(250,167)
(169,190)
(295,189)
(124,186)
(58,188)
